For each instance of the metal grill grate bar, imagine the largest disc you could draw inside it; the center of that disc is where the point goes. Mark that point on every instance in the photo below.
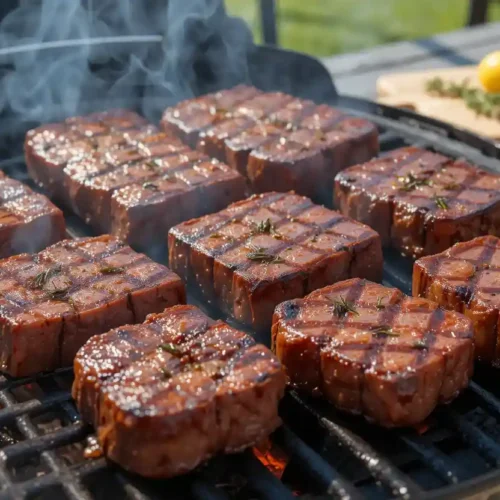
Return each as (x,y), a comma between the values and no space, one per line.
(381,469)
(319,471)
(433,458)
(473,435)
(485,399)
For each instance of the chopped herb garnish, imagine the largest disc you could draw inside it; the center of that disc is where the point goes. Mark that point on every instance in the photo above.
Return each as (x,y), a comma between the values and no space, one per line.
(452,186)
(41,278)
(384,330)
(410,182)
(341,308)
(112,270)
(441,202)
(266,227)
(171,349)
(379,303)
(260,255)
(166,373)
(419,344)
(215,235)
(476,99)
(150,185)
(60,294)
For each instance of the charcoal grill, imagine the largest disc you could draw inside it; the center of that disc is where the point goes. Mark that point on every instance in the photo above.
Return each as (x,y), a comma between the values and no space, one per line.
(323,453)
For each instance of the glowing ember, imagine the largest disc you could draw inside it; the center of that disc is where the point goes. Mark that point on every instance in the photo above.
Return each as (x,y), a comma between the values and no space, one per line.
(273,457)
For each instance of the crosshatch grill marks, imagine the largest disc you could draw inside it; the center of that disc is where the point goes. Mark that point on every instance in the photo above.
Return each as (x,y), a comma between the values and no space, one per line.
(317,139)
(466,278)
(135,184)
(52,302)
(372,359)
(271,247)
(191,370)
(423,206)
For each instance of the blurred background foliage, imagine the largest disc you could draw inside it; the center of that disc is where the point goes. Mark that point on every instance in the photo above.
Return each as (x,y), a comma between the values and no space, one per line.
(327,27)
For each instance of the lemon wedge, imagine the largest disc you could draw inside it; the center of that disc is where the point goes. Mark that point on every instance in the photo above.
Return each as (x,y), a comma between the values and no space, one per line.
(489,72)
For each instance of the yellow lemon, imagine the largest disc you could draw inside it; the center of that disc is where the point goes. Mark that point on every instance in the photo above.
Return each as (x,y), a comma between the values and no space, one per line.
(489,72)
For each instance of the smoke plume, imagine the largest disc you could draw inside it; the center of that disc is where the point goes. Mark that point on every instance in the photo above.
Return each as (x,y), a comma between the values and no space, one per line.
(65,57)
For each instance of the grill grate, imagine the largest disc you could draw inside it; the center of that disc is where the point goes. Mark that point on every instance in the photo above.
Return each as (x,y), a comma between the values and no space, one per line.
(328,454)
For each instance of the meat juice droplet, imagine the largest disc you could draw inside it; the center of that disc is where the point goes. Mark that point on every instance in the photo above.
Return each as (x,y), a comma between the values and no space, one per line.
(93,448)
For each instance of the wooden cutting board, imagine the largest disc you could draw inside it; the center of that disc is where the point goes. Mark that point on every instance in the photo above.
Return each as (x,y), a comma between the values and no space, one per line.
(408,90)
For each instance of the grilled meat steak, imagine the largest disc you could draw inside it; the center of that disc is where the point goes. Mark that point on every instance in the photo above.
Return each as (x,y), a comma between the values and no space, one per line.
(53,301)
(170,393)
(125,177)
(420,202)
(372,350)
(29,222)
(279,142)
(271,247)
(48,148)
(466,278)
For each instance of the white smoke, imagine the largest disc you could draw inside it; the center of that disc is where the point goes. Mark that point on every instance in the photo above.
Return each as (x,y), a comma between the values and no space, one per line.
(64,57)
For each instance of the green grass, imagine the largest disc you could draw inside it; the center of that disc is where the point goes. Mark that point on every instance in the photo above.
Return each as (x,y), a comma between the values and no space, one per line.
(326,27)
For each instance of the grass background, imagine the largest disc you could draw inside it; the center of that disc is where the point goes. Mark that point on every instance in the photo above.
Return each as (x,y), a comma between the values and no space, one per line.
(327,27)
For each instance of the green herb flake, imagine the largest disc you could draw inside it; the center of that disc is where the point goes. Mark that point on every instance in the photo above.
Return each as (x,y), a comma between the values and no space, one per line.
(260,255)
(171,349)
(411,182)
(481,102)
(441,202)
(150,185)
(452,186)
(379,305)
(112,270)
(420,344)
(384,330)
(342,307)
(43,277)
(59,294)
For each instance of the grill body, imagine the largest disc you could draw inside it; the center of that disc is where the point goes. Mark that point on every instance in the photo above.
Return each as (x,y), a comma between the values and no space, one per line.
(328,454)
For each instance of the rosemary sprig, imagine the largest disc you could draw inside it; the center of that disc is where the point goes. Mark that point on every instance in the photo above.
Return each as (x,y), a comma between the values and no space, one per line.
(150,185)
(379,305)
(441,202)
(266,227)
(420,344)
(483,103)
(410,182)
(260,255)
(171,349)
(43,277)
(60,294)
(112,270)
(384,330)
(341,308)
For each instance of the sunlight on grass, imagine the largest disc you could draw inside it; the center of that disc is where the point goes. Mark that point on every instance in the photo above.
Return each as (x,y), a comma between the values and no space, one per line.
(326,27)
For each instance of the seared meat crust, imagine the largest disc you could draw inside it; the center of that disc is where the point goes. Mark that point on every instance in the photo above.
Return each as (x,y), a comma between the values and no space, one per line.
(170,393)
(420,202)
(54,301)
(279,142)
(372,350)
(271,247)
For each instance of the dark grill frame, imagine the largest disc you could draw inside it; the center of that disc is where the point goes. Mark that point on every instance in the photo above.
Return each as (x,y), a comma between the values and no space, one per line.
(333,454)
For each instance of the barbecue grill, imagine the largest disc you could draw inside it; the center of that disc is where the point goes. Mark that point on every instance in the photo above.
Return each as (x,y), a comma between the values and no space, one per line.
(318,452)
